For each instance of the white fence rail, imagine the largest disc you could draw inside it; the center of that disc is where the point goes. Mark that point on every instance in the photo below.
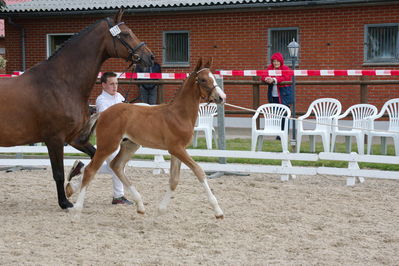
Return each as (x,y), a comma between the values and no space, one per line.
(285,170)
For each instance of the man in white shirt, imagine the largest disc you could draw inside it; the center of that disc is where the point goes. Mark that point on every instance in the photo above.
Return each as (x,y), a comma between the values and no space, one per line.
(107,98)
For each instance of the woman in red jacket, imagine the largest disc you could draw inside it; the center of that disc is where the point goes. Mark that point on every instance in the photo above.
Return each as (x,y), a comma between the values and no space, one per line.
(277,93)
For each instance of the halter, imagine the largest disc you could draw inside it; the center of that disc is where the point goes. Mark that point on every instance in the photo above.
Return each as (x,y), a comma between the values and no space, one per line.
(209,90)
(115,32)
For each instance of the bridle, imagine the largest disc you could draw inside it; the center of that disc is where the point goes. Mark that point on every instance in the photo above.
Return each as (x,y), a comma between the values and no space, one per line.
(115,32)
(208,90)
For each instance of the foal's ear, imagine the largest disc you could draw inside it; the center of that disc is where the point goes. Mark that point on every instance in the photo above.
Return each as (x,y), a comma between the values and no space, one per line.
(209,63)
(118,16)
(199,65)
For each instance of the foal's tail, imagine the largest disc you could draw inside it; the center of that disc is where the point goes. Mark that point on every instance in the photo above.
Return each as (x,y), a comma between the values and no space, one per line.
(87,131)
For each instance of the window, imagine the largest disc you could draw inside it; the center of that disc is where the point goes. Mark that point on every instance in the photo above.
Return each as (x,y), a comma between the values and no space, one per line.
(279,38)
(55,41)
(381,43)
(176,48)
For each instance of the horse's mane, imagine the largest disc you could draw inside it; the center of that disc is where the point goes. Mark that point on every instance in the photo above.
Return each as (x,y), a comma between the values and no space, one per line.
(73,38)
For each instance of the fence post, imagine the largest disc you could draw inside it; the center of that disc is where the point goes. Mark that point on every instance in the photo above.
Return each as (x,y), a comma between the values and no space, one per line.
(160,94)
(256,98)
(364,91)
(221,127)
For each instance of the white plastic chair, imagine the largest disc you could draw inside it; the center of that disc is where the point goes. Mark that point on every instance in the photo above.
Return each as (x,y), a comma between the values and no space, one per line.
(273,115)
(392,108)
(360,114)
(324,110)
(206,113)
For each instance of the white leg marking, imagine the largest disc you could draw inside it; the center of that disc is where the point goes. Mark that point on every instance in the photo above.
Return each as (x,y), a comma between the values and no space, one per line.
(212,200)
(165,201)
(81,198)
(76,185)
(137,198)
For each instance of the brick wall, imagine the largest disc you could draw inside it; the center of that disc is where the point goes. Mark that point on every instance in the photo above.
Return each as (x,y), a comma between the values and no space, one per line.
(330,38)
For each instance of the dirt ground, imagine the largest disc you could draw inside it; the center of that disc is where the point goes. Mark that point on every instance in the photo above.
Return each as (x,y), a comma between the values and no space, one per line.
(313,220)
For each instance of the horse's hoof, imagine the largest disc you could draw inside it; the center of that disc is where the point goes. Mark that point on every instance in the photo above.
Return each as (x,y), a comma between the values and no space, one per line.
(219,216)
(140,212)
(65,204)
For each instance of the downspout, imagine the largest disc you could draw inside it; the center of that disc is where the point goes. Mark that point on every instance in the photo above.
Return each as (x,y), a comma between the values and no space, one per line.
(23,51)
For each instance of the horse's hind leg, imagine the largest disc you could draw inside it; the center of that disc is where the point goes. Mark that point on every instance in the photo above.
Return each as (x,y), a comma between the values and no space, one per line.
(127,148)
(55,148)
(84,147)
(175,165)
(182,154)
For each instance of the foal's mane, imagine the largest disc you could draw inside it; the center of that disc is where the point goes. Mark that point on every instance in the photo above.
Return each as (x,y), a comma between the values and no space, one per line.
(73,38)
(184,83)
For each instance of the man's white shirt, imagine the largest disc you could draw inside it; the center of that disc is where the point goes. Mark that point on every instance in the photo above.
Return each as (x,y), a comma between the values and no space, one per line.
(105,100)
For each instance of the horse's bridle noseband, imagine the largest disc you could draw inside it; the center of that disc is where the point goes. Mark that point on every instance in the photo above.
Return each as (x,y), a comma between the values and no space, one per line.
(115,32)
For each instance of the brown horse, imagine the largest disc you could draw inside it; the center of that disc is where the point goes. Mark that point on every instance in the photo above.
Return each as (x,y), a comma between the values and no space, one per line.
(49,102)
(167,126)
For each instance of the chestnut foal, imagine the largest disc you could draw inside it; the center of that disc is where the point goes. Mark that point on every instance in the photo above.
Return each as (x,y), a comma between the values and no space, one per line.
(166,126)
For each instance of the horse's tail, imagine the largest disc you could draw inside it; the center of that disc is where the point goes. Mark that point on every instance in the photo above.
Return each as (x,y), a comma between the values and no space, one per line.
(88,130)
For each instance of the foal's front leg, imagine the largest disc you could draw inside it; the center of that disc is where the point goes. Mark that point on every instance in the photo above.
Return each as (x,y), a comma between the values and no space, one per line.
(182,154)
(175,165)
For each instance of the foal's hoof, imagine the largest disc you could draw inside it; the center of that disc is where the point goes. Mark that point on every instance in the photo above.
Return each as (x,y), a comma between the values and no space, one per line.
(219,216)
(68,190)
(65,204)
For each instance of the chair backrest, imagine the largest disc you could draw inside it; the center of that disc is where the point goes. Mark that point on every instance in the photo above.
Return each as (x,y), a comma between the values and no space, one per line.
(391,107)
(324,110)
(206,112)
(273,114)
(360,113)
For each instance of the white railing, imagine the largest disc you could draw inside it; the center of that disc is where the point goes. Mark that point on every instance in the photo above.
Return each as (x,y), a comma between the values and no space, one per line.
(285,170)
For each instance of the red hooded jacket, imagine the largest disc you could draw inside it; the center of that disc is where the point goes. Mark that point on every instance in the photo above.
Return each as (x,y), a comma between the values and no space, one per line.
(285,76)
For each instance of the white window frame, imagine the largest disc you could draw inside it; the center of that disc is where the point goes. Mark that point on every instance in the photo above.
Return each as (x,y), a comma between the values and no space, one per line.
(287,59)
(376,61)
(49,38)
(166,63)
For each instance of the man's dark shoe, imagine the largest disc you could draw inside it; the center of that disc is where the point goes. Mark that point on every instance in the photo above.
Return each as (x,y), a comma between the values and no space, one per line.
(75,170)
(121,200)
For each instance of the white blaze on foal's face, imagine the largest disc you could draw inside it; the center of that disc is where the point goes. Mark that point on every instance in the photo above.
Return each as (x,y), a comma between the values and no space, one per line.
(216,86)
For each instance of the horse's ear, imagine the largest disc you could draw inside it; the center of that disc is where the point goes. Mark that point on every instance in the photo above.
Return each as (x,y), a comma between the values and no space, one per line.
(118,16)
(199,64)
(209,63)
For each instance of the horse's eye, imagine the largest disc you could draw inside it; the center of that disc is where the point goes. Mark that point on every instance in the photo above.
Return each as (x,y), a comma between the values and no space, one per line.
(124,34)
(202,80)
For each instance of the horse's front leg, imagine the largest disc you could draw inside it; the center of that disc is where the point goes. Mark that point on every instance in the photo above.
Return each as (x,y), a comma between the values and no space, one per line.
(175,165)
(55,149)
(182,154)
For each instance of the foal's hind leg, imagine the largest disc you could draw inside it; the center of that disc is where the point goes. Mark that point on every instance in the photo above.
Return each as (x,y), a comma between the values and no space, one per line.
(118,166)
(175,165)
(90,170)
(182,154)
